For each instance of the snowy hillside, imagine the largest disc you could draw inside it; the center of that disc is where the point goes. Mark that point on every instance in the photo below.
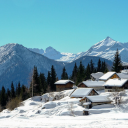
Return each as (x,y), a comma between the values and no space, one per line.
(65,112)
(107,49)
(17,63)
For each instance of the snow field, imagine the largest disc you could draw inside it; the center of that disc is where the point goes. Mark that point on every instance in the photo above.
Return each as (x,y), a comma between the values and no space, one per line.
(65,113)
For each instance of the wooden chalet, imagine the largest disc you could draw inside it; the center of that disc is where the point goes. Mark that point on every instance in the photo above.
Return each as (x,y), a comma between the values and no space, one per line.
(96,76)
(109,75)
(97,85)
(82,92)
(90,101)
(63,85)
(116,85)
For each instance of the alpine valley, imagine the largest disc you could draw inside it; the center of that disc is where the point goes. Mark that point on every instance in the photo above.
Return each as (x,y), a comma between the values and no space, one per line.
(17,61)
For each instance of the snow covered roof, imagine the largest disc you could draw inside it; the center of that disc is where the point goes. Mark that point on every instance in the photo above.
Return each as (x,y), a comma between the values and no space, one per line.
(116,82)
(97,75)
(93,83)
(123,75)
(81,92)
(63,82)
(98,98)
(107,75)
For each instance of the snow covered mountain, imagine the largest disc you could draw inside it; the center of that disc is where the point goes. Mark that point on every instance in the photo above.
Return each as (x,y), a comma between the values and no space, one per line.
(107,49)
(51,53)
(17,63)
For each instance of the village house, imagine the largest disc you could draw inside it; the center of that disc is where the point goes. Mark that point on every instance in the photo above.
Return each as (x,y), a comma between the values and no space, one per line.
(109,75)
(82,92)
(90,101)
(63,85)
(97,85)
(123,75)
(124,66)
(96,76)
(113,85)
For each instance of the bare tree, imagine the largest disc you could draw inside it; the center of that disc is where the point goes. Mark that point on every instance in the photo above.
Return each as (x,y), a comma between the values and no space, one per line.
(117,96)
(70,108)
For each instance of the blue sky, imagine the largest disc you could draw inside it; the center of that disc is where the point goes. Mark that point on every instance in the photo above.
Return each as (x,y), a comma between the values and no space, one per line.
(67,25)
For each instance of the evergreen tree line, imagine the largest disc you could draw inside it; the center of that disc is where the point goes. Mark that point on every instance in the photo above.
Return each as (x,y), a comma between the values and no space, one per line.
(9,94)
(81,73)
(40,84)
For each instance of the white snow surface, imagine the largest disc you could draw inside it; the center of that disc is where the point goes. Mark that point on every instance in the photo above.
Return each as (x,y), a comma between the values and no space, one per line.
(98,98)
(116,82)
(107,75)
(63,81)
(93,83)
(81,92)
(97,75)
(57,114)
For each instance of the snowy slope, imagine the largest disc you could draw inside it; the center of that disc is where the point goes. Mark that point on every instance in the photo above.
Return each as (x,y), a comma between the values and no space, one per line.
(17,62)
(58,113)
(107,49)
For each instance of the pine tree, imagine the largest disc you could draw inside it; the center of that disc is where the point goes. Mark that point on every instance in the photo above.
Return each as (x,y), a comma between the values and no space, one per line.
(18,89)
(117,62)
(53,79)
(24,93)
(99,66)
(64,74)
(35,82)
(92,69)
(3,97)
(81,73)
(13,94)
(74,73)
(8,95)
(87,72)
(43,83)
(105,68)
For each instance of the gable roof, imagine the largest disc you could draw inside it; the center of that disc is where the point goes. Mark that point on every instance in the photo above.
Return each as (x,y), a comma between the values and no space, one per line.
(81,92)
(107,75)
(93,83)
(115,82)
(98,98)
(63,82)
(123,75)
(97,75)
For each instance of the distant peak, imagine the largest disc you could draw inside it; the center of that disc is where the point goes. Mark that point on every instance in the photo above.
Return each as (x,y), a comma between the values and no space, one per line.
(49,47)
(108,38)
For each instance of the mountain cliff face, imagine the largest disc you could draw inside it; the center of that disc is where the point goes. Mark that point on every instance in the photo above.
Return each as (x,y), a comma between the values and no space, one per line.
(17,62)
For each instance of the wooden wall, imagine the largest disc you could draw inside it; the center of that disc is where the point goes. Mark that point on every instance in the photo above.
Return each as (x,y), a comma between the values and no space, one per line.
(61,87)
(114,76)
